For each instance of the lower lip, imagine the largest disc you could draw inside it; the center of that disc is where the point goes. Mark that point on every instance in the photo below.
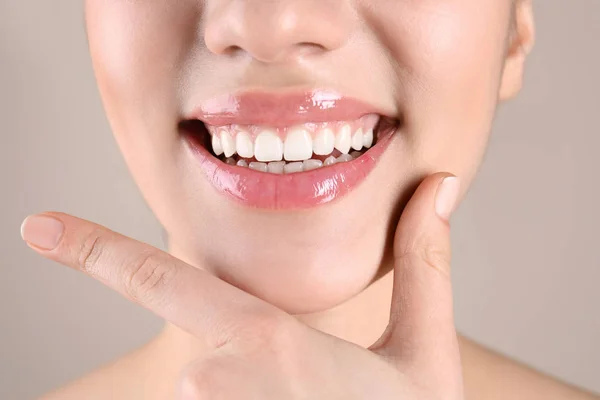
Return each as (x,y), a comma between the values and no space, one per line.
(292,191)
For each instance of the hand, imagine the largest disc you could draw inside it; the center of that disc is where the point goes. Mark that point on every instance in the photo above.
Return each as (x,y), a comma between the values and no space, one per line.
(261,352)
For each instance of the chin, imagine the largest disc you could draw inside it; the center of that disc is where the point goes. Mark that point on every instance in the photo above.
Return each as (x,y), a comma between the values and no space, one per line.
(295,209)
(304,283)
(302,261)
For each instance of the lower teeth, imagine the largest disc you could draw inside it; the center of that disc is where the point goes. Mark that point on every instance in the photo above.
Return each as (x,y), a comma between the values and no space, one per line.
(284,167)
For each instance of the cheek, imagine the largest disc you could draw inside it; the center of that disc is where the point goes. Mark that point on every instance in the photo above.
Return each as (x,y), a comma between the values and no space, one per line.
(136,49)
(450,58)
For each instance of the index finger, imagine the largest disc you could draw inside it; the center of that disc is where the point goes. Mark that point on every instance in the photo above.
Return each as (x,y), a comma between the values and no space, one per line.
(187,296)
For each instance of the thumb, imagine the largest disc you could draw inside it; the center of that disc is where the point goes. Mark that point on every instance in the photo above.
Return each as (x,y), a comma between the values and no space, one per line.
(421,321)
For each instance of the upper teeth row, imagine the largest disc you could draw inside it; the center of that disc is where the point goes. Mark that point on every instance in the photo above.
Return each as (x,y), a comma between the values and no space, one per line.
(299,144)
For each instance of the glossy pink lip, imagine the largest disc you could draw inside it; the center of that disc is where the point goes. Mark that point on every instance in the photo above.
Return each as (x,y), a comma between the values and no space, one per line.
(281,109)
(294,191)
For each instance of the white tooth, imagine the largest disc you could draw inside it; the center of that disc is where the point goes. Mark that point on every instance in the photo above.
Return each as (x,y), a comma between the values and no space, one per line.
(230,161)
(276,167)
(344,158)
(216,145)
(309,165)
(330,161)
(368,138)
(227,143)
(355,154)
(268,147)
(244,145)
(258,166)
(324,142)
(357,140)
(293,167)
(298,145)
(343,139)
(242,163)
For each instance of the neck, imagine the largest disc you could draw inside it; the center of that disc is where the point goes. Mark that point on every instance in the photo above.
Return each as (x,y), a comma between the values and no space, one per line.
(361,320)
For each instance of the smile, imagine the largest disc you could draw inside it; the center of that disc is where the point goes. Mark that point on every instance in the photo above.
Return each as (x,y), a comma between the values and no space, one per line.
(291,151)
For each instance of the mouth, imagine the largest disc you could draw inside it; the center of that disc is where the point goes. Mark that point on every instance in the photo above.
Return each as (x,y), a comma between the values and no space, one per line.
(290,151)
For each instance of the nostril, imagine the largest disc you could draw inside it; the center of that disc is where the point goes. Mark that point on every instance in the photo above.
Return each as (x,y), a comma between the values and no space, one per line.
(232,50)
(272,31)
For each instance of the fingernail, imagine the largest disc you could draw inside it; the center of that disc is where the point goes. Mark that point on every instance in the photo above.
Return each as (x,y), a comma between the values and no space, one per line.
(446,197)
(42,231)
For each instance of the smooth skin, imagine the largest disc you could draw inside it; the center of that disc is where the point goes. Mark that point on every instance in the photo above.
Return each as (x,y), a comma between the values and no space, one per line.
(364,310)
(260,352)
(257,351)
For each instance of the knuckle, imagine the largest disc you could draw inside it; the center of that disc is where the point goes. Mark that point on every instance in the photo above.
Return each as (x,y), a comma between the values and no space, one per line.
(256,329)
(275,332)
(204,379)
(91,252)
(194,387)
(435,257)
(147,275)
(284,341)
(429,253)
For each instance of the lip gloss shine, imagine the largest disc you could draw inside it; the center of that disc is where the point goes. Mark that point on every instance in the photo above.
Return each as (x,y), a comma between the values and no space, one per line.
(287,191)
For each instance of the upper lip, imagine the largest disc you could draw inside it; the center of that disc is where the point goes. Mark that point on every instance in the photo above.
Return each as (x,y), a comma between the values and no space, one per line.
(281,109)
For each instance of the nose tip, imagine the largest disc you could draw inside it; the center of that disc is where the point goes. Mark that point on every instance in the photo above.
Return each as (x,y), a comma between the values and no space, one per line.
(275,31)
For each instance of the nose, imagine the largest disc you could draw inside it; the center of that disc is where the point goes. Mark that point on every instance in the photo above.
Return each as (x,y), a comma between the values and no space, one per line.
(276,30)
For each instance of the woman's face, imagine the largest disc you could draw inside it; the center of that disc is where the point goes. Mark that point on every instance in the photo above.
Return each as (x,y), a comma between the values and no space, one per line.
(433,67)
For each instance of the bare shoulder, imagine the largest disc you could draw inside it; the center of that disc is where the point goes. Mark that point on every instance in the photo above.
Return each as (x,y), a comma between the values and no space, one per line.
(491,376)
(488,376)
(124,378)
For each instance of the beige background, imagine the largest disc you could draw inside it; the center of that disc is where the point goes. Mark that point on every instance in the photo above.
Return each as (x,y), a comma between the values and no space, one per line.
(527,265)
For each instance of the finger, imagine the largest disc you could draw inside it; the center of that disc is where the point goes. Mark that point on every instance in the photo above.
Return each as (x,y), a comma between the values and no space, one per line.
(187,296)
(222,375)
(422,320)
